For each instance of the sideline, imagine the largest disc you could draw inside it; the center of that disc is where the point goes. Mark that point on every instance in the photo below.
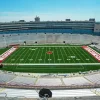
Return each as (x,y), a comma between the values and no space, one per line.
(7,53)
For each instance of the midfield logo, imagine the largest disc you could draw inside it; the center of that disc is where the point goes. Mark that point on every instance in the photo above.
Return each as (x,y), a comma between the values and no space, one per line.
(49,52)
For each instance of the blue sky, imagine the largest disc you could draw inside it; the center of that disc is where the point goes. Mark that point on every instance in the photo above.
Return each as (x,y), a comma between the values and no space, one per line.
(49,9)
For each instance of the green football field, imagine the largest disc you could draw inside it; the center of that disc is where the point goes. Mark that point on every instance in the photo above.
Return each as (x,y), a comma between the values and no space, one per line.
(50,59)
(2,50)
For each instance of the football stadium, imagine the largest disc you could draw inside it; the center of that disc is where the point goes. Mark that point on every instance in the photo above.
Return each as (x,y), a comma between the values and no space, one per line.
(50,47)
(57,55)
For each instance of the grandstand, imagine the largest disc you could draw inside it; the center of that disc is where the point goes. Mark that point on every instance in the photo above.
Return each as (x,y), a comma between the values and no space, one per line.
(52,81)
(70,86)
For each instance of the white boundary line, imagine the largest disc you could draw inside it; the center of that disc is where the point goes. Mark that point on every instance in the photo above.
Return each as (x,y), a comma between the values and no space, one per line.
(52,64)
(50,46)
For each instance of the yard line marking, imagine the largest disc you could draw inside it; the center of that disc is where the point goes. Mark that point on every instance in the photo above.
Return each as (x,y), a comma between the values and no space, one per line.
(53,54)
(65,53)
(37,55)
(20,55)
(83,56)
(77,49)
(87,55)
(72,53)
(12,56)
(58,55)
(6,60)
(28,55)
(79,56)
(41,55)
(49,55)
(32,55)
(69,53)
(25,56)
(75,55)
(45,54)
(62,55)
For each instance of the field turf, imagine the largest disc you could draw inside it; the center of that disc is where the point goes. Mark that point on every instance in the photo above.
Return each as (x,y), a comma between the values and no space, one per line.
(2,50)
(50,59)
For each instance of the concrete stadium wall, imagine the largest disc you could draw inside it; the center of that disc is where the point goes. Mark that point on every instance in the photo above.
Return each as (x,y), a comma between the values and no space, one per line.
(49,38)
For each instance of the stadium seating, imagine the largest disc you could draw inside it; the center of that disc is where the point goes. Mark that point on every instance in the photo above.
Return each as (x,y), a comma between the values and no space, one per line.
(95,78)
(76,81)
(23,81)
(19,80)
(42,38)
(49,82)
(22,94)
(2,41)
(4,78)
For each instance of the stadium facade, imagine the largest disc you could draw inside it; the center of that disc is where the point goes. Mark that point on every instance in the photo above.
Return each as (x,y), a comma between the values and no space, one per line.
(83,27)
